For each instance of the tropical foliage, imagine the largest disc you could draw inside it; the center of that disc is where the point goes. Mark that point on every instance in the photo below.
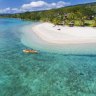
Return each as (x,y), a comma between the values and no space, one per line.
(80,15)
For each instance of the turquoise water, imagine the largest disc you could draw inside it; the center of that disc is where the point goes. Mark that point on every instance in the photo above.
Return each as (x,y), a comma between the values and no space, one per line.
(32,40)
(43,74)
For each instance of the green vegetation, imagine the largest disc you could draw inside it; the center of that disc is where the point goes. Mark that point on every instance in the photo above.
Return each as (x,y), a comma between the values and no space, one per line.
(78,15)
(94,22)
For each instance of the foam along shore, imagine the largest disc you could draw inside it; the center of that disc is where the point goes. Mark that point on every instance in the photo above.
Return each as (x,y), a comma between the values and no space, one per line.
(64,34)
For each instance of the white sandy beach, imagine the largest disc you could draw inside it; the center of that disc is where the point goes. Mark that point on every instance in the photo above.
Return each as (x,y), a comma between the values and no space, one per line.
(66,35)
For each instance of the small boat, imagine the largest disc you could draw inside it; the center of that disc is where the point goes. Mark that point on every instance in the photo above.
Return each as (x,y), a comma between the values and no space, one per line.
(58,29)
(30,51)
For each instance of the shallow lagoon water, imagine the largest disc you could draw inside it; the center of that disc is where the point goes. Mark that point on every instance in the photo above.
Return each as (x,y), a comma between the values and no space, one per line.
(31,39)
(48,73)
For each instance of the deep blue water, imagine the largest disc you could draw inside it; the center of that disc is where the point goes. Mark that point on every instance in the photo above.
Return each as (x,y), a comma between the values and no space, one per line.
(43,74)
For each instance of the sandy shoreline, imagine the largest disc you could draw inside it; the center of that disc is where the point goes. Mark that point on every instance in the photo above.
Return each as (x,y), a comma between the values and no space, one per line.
(66,35)
(68,40)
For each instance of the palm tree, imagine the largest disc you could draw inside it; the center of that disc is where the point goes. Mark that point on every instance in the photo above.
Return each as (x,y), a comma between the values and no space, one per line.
(94,22)
(56,21)
(71,18)
(81,18)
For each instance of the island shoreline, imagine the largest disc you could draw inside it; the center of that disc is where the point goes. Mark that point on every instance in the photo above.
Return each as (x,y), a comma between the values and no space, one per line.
(66,35)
